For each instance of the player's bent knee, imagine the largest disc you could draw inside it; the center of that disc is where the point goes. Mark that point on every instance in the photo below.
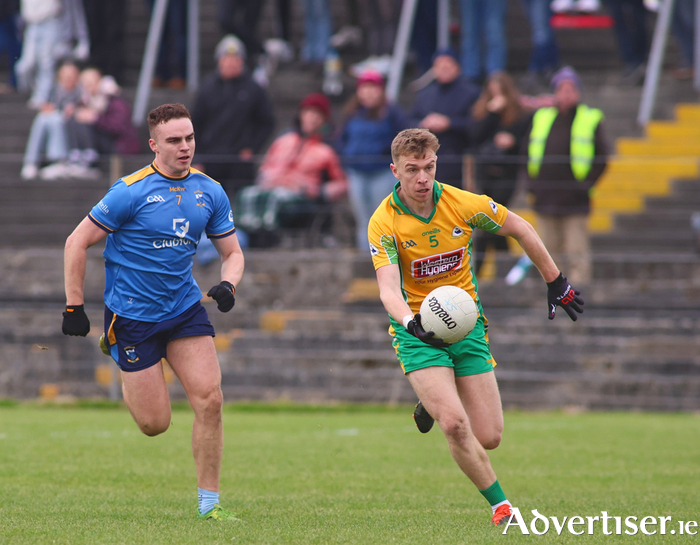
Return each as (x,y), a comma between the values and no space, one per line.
(492,441)
(153,428)
(456,429)
(152,425)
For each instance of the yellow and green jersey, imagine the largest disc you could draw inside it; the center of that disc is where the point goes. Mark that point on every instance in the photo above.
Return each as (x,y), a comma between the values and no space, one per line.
(434,251)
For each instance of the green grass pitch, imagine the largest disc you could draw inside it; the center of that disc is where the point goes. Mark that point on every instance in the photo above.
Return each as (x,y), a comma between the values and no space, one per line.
(341,475)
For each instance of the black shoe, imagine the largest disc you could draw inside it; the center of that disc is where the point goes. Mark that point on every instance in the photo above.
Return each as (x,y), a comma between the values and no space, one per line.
(424,422)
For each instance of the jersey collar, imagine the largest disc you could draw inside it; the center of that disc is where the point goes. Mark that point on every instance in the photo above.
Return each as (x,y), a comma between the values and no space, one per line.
(153,164)
(401,208)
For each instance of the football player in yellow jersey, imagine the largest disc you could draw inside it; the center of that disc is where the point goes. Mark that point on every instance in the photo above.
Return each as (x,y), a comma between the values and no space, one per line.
(420,238)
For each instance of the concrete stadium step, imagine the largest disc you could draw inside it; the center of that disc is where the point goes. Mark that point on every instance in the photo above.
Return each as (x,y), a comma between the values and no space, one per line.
(689,201)
(285,281)
(666,220)
(688,190)
(618,293)
(682,241)
(598,391)
(597,362)
(662,268)
(40,234)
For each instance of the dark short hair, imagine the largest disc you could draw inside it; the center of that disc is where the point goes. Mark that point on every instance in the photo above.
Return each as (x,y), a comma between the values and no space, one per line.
(164,113)
(413,142)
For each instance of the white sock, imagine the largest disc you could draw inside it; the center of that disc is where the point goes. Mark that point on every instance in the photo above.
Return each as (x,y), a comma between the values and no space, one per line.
(494,507)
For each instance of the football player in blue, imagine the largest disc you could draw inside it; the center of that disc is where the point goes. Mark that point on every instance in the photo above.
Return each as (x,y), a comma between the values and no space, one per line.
(153,220)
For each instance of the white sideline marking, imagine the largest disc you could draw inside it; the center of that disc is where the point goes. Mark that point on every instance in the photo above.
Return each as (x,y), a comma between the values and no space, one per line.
(348,432)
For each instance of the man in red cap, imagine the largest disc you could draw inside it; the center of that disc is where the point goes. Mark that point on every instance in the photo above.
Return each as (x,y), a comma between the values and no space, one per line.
(292,178)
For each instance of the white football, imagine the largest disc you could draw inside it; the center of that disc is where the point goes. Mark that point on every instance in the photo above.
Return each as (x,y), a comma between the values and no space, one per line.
(450,312)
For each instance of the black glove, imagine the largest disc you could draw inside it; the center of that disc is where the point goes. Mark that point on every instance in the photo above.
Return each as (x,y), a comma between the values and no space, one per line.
(223,295)
(560,293)
(75,321)
(415,328)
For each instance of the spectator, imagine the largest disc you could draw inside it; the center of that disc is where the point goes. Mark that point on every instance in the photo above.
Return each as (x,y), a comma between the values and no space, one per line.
(240,18)
(631,31)
(370,125)
(317,32)
(10,42)
(171,66)
(683,22)
(74,40)
(101,124)
(381,19)
(233,117)
(49,126)
(424,36)
(299,173)
(35,68)
(567,154)
(498,132)
(544,58)
(106,20)
(444,108)
(54,29)
(483,19)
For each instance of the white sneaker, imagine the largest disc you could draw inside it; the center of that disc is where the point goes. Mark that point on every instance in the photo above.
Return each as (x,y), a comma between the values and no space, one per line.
(367,64)
(29,172)
(280,50)
(383,64)
(559,6)
(588,6)
(81,172)
(261,74)
(347,36)
(82,50)
(35,104)
(519,271)
(55,171)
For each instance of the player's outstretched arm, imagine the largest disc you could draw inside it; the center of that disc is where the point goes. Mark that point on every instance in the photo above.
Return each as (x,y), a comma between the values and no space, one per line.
(389,280)
(559,292)
(75,321)
(232,265)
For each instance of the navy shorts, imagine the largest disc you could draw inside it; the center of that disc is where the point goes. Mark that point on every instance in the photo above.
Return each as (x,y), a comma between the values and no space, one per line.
(137,345)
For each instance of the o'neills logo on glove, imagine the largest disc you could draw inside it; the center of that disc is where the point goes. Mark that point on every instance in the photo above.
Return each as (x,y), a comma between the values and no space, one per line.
(568,296)
(441,313)
(437,264)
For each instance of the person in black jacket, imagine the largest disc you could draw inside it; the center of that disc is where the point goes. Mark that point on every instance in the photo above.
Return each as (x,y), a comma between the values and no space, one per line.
(233,118)
(444,108)
(566,155)
(497,132)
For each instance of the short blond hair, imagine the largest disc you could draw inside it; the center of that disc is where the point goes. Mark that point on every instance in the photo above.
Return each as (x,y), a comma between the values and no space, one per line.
(413,143)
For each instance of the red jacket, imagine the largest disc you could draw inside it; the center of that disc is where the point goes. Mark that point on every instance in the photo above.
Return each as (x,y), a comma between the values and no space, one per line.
(300,163)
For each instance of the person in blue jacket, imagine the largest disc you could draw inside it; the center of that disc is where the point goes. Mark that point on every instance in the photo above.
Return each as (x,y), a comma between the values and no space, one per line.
(371,123)
(444,108)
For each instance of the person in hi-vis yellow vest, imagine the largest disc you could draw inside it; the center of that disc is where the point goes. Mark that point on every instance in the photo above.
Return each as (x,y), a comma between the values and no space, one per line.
(566,154)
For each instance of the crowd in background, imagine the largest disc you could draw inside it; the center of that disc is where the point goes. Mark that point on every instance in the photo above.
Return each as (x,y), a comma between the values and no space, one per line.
(68,56)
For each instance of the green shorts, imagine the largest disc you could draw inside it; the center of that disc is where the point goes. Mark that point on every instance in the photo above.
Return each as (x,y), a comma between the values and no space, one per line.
(470,356)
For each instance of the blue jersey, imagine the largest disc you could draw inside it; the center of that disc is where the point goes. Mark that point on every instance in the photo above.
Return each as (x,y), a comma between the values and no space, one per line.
(154,224)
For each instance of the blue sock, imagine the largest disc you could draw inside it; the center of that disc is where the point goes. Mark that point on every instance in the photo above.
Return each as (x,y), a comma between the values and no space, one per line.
(207,500)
